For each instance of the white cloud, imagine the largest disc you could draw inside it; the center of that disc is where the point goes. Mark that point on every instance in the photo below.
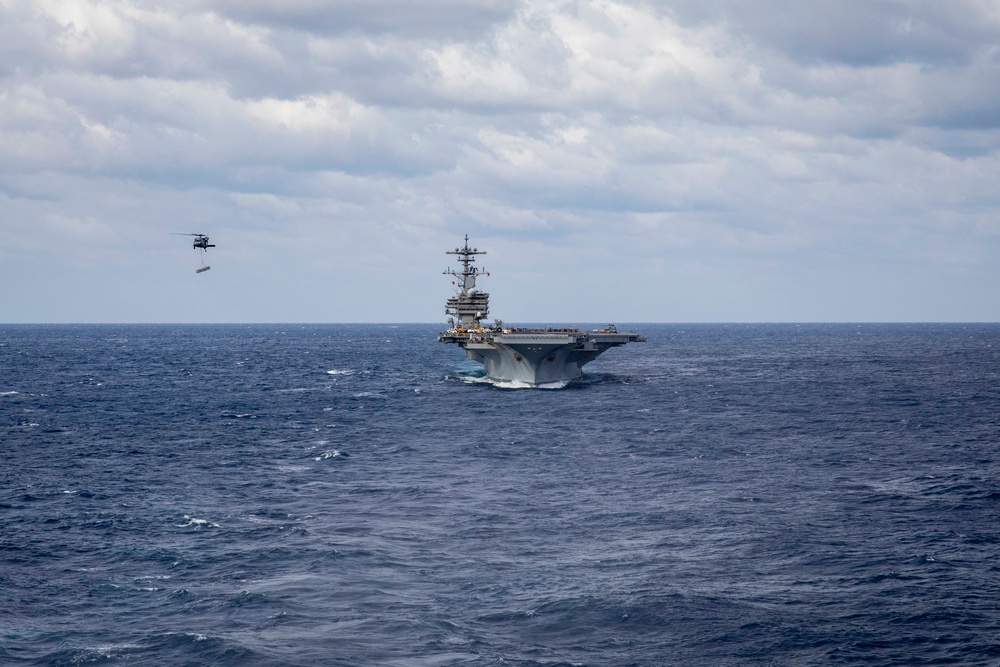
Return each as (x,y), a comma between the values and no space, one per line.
(780,146)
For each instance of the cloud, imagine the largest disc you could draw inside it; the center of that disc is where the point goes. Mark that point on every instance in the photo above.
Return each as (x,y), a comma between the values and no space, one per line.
(416,19)
(792,141)
(859,33)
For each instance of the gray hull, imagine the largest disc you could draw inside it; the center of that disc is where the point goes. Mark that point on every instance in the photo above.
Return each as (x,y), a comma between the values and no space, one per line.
(537,357)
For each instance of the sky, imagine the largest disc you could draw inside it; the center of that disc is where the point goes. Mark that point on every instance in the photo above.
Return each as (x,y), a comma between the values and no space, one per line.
(671,161)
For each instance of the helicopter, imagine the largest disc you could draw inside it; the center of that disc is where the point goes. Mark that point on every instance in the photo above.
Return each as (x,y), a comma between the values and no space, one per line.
(200,243)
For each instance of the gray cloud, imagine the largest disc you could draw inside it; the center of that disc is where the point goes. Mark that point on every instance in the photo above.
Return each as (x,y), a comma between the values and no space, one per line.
(780,146)
(859,33)
(459,20)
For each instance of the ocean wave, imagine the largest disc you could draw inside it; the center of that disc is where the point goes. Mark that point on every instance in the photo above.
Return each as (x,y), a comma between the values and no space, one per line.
(331,454)
(641,516)
(193,522)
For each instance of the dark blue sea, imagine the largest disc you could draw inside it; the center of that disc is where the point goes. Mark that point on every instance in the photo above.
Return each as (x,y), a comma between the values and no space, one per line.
(334,495)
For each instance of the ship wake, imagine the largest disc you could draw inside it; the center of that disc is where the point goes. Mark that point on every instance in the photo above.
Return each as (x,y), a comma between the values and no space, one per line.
(475,377)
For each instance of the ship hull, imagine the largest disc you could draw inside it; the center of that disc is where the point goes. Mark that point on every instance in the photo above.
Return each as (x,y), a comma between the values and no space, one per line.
(537,358)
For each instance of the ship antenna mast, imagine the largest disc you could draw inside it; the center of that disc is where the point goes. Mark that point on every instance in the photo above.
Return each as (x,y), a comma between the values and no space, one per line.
(469,272)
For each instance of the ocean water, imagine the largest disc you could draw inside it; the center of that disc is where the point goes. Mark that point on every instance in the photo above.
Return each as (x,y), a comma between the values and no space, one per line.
(359,495)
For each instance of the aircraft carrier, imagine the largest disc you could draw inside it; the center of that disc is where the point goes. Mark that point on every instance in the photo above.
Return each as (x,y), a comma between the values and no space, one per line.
(530,355)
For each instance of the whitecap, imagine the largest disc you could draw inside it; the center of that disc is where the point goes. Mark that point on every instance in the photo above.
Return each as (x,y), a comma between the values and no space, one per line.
(9,393)
(340,372)
(192,521)
(513,384)
(193,635)
(561,384)
(330,454)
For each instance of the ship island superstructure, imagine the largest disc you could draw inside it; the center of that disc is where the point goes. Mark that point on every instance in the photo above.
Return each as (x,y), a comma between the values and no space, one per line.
(531,355)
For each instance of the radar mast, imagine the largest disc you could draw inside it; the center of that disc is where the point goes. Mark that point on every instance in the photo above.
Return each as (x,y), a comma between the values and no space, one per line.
(469,306)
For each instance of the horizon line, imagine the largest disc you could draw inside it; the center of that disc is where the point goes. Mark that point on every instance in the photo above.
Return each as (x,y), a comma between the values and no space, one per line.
(550,324)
